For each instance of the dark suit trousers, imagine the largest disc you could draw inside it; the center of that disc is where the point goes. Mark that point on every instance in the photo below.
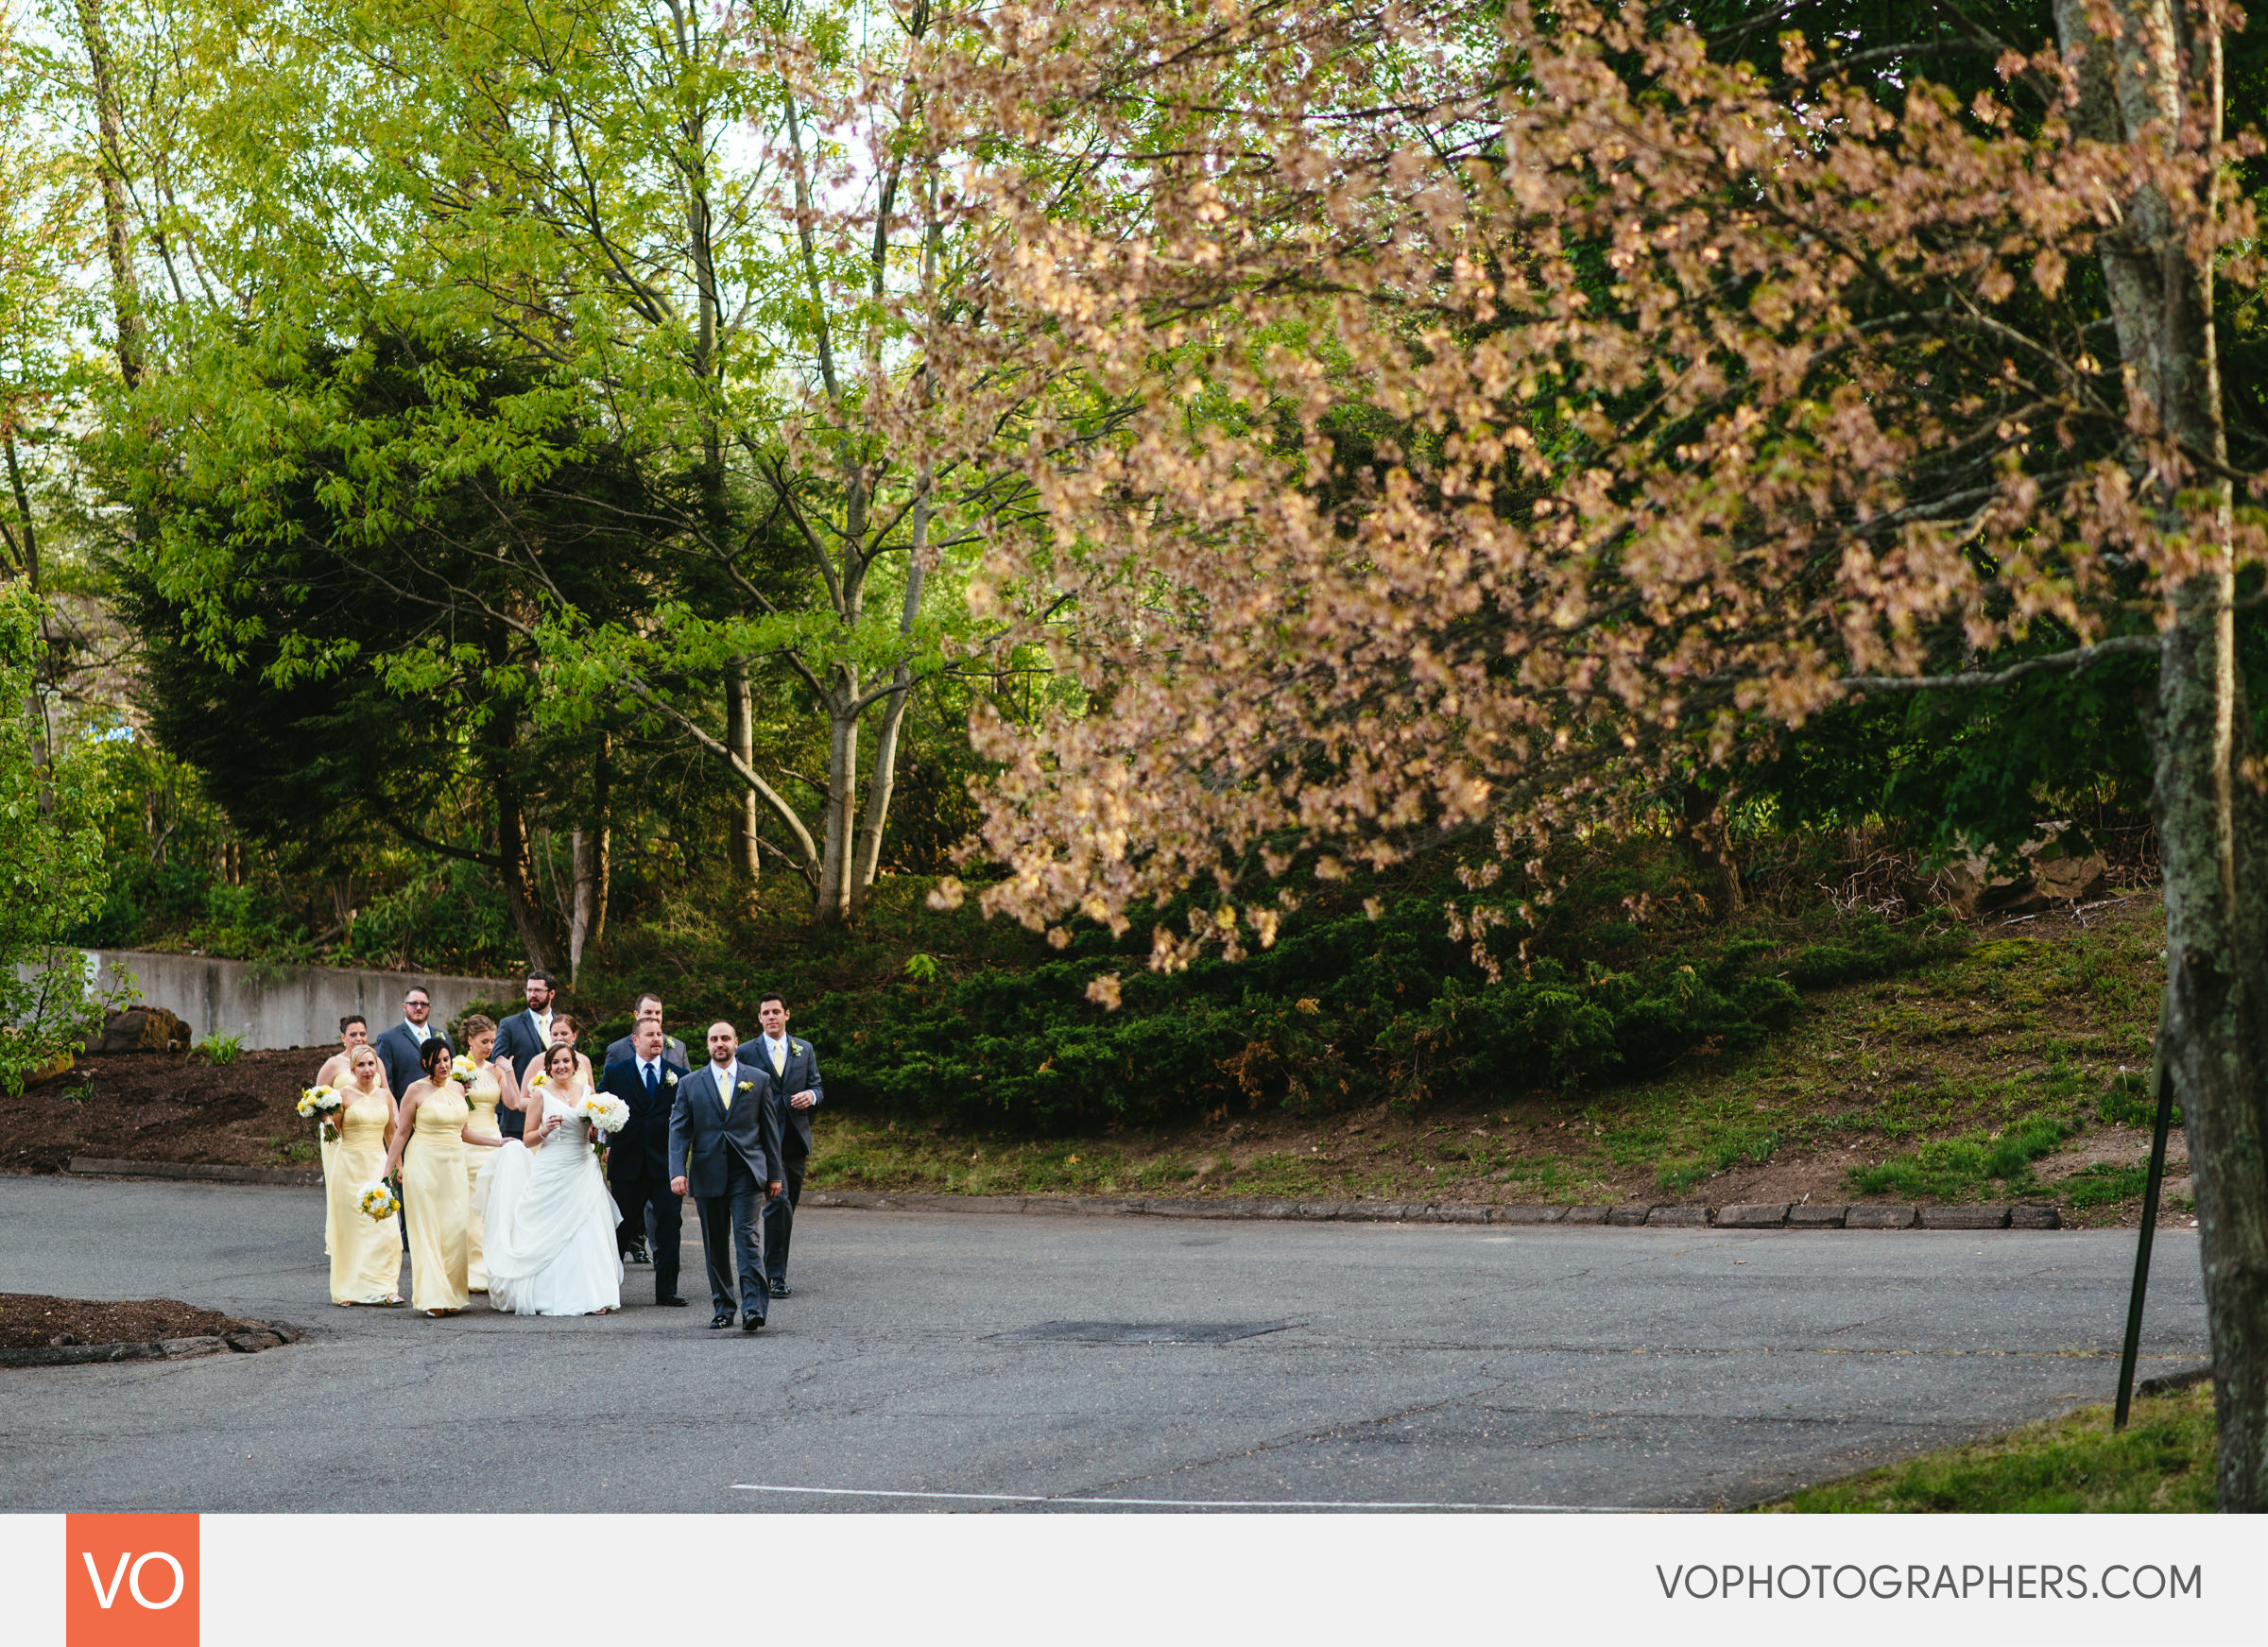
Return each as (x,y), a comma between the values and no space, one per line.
(642,1198)
(730,1230)
(779,1215)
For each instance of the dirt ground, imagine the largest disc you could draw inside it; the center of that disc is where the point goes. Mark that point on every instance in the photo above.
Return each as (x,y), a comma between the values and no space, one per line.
(160,1106)
(35,1321)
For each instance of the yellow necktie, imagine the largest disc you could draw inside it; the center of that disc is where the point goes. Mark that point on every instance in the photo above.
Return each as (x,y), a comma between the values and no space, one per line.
(724,1094)
(780,1057)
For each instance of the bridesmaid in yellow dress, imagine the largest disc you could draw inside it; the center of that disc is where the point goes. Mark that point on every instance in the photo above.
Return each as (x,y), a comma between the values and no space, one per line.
(488,1085)
(429,1145)
(366,1253)
(353,1031)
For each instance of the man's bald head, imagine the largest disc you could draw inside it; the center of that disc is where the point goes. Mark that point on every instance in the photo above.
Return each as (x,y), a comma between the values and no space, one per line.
(722,1043)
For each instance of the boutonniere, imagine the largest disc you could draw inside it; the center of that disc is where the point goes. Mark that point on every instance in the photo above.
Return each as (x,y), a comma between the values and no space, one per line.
(747,1086)
(669,1077)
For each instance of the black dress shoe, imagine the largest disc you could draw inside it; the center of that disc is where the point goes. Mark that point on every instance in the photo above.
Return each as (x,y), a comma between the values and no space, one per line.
(751,1323)
(637,1255)
(673,1301)
(779,1289)
(720,1321)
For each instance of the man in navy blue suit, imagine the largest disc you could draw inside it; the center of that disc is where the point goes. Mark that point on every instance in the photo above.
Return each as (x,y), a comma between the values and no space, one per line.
(638,1156)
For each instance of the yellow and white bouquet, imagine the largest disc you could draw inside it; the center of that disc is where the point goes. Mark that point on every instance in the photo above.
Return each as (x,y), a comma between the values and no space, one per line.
(540,1079)
(380,1202)
(321,1103)
(607,1115)
(462,1067)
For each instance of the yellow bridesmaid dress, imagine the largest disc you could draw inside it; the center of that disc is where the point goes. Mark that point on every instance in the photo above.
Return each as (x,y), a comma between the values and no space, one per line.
(366,1253)
(329,1148)
(436,1200)
(483,1095)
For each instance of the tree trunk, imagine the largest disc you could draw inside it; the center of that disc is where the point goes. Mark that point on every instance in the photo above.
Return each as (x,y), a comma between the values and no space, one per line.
(589,856)
(1701,820)
(125,292)
(833,905)
(2210,820)
(602,831)
(885,782)
(514,855)
(746,857)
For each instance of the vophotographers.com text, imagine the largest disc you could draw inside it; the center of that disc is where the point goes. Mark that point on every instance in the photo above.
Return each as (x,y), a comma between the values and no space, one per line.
(1887,1582)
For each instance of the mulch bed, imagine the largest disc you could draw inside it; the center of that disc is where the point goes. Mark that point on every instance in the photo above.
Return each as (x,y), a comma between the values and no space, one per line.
(35,1321)
(161,1107)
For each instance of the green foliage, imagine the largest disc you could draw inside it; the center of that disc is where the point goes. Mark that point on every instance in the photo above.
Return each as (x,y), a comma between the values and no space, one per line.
(1950,1168)
(1344,1009)
(2130,1102)
(51,869)
(2105,1184)
(2162,1460)
(219,1049)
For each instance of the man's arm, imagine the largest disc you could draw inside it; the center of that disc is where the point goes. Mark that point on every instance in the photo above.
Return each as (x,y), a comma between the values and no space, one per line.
(817,1092)
(680,1137)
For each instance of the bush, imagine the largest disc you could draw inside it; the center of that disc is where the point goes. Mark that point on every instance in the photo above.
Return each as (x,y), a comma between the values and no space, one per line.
(1343,1010)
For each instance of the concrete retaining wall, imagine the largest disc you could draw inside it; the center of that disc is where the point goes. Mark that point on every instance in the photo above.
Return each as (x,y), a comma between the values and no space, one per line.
(284,1006)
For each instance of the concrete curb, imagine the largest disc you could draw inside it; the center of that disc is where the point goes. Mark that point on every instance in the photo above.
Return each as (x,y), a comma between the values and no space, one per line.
(250,1338)
(296,1177)
(1766,1215)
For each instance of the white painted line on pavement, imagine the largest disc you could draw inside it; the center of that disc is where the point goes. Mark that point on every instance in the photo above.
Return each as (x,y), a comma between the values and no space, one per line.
(1215,1504)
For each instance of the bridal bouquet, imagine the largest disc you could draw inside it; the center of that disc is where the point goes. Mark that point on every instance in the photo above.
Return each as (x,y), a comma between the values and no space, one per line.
(323,1102)
(463,1069)
(606,1113)
(380,1202)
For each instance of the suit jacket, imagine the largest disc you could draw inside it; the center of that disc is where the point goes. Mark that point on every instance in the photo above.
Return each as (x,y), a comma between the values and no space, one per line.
(704,1136)
(802,1074)
(641,1149)
(398,1049)
(520,1041)
(672,1048)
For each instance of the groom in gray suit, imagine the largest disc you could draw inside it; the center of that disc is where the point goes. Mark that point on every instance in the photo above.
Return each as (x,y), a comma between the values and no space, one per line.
(724,1149)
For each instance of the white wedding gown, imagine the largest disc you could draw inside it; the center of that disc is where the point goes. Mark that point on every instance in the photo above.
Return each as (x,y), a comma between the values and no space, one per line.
(547,1224)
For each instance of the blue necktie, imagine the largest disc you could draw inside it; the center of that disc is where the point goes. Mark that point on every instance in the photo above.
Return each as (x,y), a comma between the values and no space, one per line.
(652,1082)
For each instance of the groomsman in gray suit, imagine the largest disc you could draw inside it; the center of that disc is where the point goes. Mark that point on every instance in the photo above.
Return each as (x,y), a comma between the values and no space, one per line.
(520,1040)
(796,1092)
(721,1151)
(647,1010)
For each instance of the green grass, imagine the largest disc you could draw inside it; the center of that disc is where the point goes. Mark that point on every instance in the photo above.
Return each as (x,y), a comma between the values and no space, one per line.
(1954,1168)
(2104,1185)
(2163,1461)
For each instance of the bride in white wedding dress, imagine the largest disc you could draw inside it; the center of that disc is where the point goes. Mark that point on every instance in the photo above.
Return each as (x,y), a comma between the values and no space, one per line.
(547,1221)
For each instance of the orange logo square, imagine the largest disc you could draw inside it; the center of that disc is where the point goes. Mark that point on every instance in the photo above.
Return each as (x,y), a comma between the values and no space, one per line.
(129,1581)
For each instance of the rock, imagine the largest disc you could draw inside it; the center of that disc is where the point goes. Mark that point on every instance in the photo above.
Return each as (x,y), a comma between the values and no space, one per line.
(1964,1217)
(1527,1214)
(1465,1214)
(1764,1215)
(2034,1218)
(1876,1216)
(1810,1217)
(177,1347)
(248,1342)
(1627,1217)
(2043,874)
(1677,1218)
(143,1029)
(1587,1216)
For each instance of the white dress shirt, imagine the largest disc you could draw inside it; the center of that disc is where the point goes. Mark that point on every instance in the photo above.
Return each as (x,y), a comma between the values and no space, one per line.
(778,1047)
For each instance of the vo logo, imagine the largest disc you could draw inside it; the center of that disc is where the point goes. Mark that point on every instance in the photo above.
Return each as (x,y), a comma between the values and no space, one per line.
(131,1581)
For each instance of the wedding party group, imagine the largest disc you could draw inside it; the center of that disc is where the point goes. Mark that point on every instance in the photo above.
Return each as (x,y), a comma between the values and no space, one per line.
(511,1167)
